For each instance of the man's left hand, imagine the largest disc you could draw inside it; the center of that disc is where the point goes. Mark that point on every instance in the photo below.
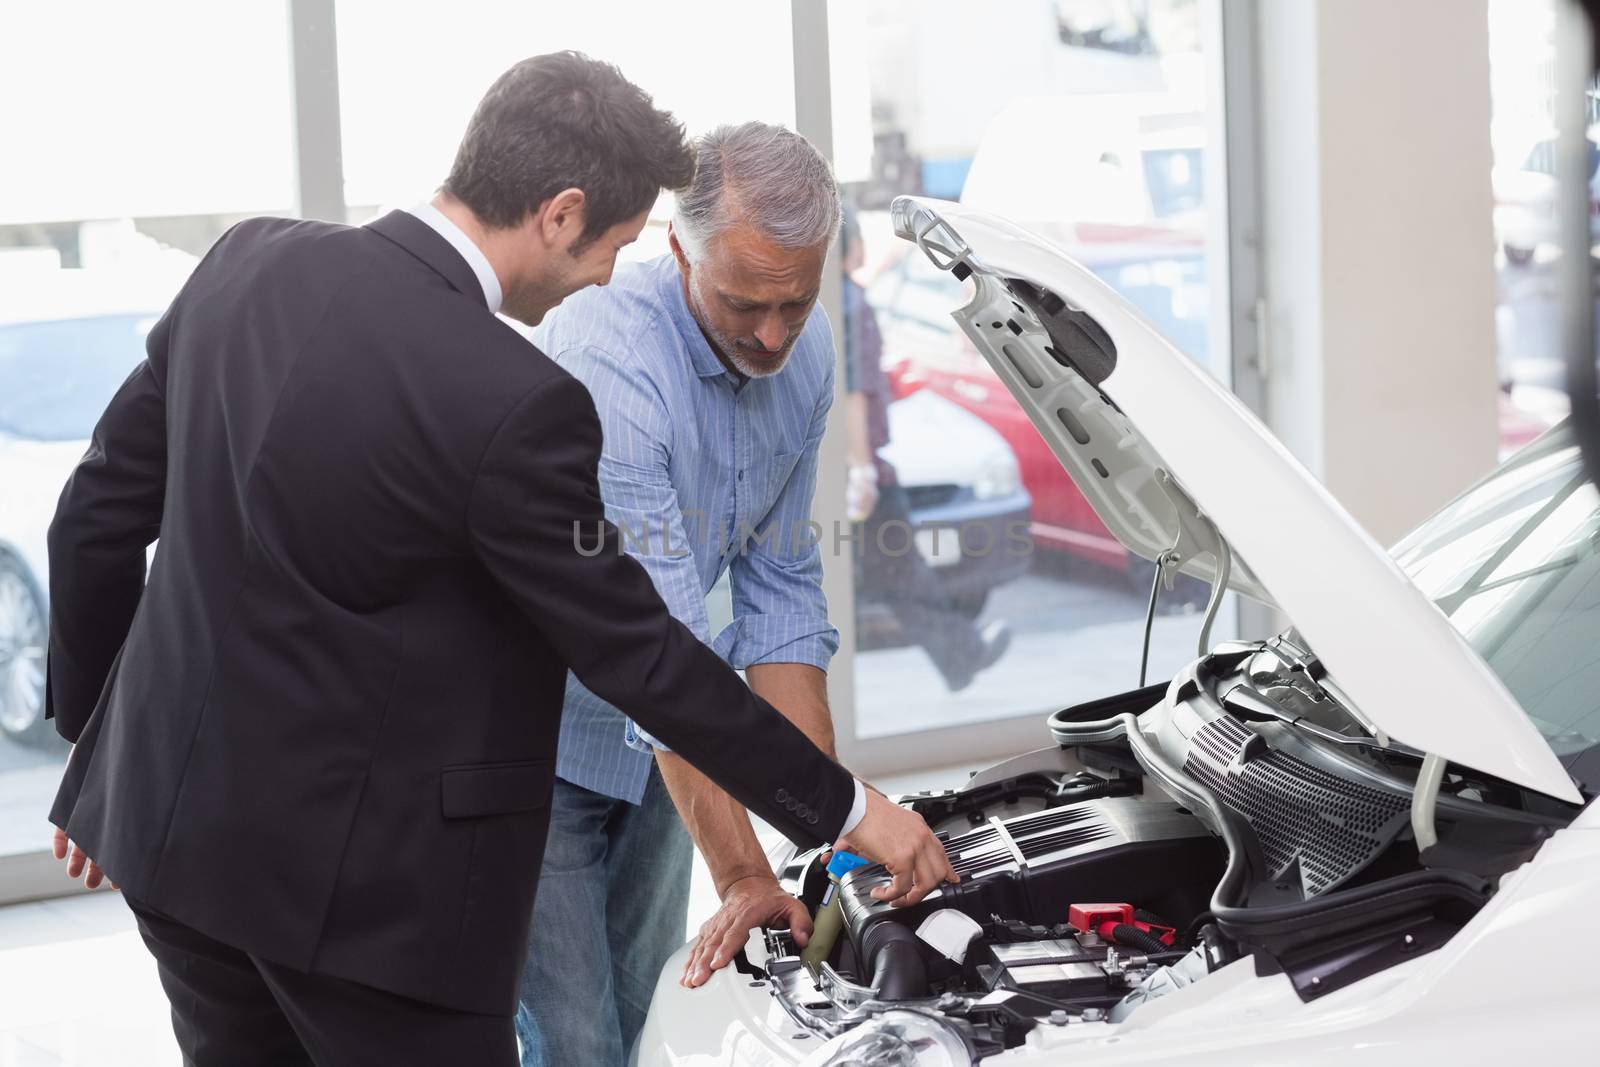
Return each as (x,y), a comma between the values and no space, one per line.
(749,902)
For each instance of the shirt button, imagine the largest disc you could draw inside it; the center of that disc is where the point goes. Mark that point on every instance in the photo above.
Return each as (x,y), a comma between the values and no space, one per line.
(741,476)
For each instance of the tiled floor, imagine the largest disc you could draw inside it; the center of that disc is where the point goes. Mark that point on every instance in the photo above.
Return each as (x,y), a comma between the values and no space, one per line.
(77,987)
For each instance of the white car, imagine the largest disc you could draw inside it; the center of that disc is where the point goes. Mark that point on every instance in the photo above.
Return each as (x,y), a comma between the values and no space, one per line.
(1525,201)
(68,339)
(1127,163)
(1342,844)
(964,493)
(966,502)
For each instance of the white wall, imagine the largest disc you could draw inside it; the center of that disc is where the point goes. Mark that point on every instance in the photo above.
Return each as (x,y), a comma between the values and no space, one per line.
(1378,247)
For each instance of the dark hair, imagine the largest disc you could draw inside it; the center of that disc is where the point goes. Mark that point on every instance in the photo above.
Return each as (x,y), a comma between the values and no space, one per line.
(562,121)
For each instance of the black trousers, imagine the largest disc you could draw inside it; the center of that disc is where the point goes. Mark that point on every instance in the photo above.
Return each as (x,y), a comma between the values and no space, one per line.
(232,1009)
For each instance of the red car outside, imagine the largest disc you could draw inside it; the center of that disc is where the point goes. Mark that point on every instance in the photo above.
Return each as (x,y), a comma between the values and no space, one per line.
(1160,270)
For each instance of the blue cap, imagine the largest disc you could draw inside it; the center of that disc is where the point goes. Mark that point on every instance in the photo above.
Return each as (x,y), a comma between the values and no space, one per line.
(845,862)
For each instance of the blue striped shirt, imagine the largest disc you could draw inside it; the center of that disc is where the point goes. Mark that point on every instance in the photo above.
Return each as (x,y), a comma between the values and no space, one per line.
(701,474)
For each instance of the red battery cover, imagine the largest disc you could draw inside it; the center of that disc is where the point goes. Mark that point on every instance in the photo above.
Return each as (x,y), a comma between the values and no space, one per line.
(1088,918)
(1103,919)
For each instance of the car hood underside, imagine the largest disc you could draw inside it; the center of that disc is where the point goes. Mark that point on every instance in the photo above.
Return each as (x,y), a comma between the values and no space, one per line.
(1176,466)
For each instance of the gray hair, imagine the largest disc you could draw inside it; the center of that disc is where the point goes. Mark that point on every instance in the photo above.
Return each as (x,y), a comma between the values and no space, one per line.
(765,176)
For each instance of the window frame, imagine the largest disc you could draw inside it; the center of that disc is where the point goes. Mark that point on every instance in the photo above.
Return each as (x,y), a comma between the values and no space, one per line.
(1233,242)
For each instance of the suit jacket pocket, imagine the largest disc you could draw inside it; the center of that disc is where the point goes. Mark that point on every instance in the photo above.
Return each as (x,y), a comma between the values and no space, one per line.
(470,791)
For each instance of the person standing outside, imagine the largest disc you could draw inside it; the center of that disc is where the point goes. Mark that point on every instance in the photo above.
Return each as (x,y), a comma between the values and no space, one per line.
(901,580)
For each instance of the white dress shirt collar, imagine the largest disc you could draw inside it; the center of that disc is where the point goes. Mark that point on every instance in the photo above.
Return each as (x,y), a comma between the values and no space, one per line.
(469,251)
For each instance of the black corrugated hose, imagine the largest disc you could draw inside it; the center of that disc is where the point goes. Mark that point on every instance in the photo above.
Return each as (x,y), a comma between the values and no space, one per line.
(1126,935)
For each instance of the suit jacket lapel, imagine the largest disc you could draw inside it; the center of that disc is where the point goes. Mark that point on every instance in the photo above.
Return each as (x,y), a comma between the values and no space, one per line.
(424,242)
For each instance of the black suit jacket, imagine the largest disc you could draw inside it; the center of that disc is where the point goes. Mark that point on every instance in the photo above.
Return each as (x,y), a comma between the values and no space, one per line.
(325,730)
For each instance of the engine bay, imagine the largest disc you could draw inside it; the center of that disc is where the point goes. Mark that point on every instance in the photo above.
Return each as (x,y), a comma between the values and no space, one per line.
(1238,811)
(1044,870)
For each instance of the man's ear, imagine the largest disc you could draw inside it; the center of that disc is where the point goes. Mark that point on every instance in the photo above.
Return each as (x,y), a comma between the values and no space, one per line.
(677,249)
(561,218)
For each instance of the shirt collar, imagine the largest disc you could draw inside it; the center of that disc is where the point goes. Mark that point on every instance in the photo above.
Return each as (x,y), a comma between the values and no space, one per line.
(701,357)
(441,224)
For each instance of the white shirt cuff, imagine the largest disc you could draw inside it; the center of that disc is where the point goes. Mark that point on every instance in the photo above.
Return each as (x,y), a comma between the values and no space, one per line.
(858,810)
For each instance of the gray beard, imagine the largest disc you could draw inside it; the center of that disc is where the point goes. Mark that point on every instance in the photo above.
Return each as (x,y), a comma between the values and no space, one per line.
(753,370)
(730,349)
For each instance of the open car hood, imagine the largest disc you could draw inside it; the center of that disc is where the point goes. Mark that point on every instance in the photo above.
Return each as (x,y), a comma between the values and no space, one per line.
(1173,462)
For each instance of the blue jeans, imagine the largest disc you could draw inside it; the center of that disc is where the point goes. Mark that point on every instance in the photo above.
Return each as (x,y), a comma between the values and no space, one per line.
(612,906)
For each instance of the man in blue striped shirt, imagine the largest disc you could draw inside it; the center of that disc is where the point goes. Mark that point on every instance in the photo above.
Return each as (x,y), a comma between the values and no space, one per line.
(712,369)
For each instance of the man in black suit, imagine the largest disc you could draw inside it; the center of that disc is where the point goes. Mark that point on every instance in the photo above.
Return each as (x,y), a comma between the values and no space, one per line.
(305,748)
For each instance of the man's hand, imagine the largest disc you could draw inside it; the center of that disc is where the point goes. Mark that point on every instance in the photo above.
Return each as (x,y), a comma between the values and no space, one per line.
(78,862)
(899,839)
(756,900)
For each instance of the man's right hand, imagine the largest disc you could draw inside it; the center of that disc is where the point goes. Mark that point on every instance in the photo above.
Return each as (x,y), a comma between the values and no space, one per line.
(899,839)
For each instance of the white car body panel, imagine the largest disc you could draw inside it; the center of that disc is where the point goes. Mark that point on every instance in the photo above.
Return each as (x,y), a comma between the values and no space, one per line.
(1467,1002)
(1343,592)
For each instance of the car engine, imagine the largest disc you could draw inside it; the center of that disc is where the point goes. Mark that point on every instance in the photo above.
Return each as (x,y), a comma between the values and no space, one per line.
(1238,810)
(1074,891)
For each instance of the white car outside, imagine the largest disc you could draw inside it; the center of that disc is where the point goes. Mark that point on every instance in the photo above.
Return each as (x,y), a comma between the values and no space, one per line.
(1131,160)
(1357,829)
(1525,200)
(942,449)
(68,339)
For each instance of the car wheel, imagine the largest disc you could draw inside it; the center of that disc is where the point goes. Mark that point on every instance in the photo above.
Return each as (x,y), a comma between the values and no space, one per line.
(23,635)
(970,605)
(1519,256)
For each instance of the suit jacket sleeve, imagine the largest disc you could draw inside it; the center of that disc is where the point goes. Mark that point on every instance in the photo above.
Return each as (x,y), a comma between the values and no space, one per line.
(537,523)
(108,515)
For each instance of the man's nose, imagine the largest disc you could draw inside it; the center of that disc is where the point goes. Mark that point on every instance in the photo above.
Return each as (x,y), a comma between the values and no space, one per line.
(772,332)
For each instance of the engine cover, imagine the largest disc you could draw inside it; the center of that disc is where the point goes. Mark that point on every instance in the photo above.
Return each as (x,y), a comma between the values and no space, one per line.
(1034,867)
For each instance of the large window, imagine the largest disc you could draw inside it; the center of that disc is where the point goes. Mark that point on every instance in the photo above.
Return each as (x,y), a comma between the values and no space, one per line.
(1089,122)
(401,130)
(1095,121)
(134,136)
(1522,56)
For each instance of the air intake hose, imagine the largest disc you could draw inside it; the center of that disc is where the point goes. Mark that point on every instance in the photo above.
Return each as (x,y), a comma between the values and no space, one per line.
(896,965)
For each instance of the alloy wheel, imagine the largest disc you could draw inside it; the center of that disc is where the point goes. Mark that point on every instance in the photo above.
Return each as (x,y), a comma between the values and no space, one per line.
(23,633)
